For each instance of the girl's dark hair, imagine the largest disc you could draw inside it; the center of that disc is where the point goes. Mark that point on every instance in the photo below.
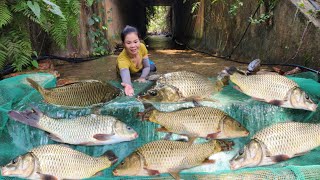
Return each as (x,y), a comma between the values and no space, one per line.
(128,29)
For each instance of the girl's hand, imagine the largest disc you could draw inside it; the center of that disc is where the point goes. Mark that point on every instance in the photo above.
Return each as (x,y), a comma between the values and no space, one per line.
(128,90)
(141,80)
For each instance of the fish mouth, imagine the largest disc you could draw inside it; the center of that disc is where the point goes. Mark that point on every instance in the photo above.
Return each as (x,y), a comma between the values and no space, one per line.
(233,166)
(4,172)
(135,136)
(313,107)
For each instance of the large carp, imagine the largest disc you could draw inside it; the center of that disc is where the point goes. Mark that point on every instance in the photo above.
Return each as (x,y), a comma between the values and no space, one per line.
(171,157)
(57,162)
(206,122)
(180,86)
(276,143)
(77,94)
(83,130)
(271,88)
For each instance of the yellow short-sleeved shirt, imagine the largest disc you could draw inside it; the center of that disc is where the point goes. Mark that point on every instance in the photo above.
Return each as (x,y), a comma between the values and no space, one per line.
(124,61)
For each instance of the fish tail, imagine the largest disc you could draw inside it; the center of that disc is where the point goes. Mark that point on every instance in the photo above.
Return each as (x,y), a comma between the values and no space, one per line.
(111,156)
(35,85)
(28,117)
(225,145)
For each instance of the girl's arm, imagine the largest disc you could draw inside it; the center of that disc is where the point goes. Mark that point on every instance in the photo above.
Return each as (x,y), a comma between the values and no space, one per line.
(146,68)
(126,81)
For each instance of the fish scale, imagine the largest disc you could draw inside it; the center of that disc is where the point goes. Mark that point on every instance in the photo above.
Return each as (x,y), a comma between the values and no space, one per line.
(64,162)
(79,130)
(290,138)
(188,83)
(266,86)
(200,121)
(82,93)
(164,155)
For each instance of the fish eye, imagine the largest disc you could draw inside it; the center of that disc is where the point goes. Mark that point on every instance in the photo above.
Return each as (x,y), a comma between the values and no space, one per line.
(306,96)
(14,161)
(153,93)
(241,152)
(122,163)
(129,128)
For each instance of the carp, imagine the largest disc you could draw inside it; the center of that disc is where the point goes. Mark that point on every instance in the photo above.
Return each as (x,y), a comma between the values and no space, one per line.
(171,157)
(77,94)
(179,86)
(83,130)
(271,88)
(205,122)
(276,143)
(57,162)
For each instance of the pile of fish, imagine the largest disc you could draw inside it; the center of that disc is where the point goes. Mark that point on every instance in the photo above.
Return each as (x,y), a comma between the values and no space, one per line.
(276,143)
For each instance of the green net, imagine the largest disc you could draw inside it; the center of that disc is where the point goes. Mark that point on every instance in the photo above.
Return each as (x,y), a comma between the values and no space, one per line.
(17,138)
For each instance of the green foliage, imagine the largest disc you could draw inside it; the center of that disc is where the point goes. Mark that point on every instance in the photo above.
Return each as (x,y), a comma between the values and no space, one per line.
(235,7)
(97,31)
(157,19)
(270,5)
(5,14)
(58,18)
(15,45)
(261,19)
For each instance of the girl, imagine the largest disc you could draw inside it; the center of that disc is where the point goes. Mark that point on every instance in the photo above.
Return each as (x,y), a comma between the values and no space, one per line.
(133,60)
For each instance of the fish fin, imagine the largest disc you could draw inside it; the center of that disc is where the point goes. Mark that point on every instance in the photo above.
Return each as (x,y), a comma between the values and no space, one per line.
(175,174)
(26,117)
(152,172)
(162,129)
(47,177)
(102,137)
(213,135)
(196,103)
(111,156)
(258,99)
(182,140)
(167,136)
(237,88)
(191,139)
(35,85)
(100,173)
(280,158)
(301,154)
(276,102)
(55,138)
(208,161)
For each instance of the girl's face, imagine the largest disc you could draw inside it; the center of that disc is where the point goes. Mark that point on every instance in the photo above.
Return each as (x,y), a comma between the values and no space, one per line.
(132,43)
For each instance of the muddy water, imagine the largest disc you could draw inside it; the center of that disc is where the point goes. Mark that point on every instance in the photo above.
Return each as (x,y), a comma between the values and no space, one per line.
(163,52)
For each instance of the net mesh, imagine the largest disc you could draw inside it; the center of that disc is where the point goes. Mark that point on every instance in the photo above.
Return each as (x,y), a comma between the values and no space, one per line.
(17,138)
